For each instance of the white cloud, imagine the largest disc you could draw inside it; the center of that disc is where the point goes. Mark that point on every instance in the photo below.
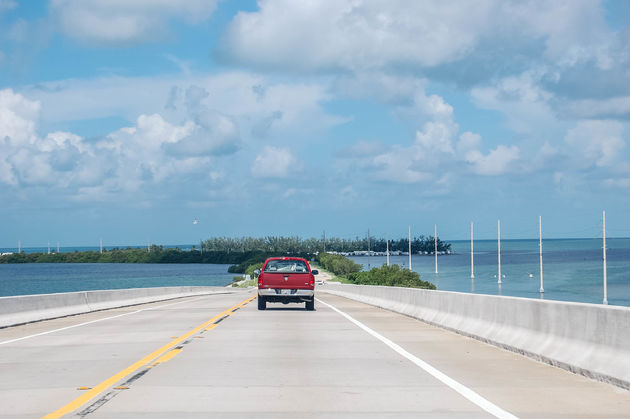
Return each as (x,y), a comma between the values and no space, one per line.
(245,98)
(616,107)
(274,162)
(618,182)
(417,162)
(383,87)
(143,152)
(7,5)
(18,117)
(19,31)
(521,99)
(164,144)
(468,141)
(496,162)
(522,59)
(355,35)
(79,99)
(214,134)
(572,30)
(398,166)
(362,35)
(436,138)
(360,149)
(119,163)
(596,142)
(436,153)
(432,153)
(547,157)
(28,159)
(125,21)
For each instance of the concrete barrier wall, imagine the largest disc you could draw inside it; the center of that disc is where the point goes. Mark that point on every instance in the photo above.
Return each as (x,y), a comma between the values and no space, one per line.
(589,339)
(29,308)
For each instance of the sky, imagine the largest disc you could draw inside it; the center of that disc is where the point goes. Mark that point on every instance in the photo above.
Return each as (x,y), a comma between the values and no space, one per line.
(126,120)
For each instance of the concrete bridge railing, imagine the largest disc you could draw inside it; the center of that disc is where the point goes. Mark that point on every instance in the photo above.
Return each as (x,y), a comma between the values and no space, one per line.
(589,339)
(22,309)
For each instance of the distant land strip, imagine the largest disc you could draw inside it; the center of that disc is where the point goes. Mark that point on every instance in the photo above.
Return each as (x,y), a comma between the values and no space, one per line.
(228,250)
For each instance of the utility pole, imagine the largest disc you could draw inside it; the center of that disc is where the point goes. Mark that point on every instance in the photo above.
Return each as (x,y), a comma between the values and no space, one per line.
(472,260)
(499,248)
(435,249)
(324,241)
(368,240)
(605,279)
(387,244)
(101,245)
(409,247)
(542,289)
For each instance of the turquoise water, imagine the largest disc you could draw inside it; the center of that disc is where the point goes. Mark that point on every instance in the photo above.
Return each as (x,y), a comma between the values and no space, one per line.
(572,269)
(62,249)
(45,278)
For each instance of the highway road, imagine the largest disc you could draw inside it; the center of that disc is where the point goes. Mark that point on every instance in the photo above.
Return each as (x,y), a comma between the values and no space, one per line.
(218,356)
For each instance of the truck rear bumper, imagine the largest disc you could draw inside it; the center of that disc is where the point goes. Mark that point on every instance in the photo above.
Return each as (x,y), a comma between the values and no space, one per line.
(278,295)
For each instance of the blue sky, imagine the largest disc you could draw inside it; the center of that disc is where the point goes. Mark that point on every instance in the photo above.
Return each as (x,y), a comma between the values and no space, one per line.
(127,120)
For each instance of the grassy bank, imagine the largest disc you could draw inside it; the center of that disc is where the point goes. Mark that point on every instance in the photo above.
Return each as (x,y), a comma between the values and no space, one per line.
(156,254)
(390,276)
(346,271)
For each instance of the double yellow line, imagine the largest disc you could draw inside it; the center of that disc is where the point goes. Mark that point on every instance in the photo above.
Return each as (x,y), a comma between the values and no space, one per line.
(88,395)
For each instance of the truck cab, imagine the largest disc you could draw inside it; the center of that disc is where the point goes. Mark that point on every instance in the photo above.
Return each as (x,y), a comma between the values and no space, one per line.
(286,280)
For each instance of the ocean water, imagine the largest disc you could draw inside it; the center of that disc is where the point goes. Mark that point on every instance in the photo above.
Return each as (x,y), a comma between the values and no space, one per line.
(45,278)
(572,269)
(64,249)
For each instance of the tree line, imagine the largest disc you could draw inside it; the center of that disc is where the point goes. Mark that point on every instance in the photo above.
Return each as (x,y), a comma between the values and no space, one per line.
(391,276)
(155,254)
(241,251)
(295,244)
(338,264)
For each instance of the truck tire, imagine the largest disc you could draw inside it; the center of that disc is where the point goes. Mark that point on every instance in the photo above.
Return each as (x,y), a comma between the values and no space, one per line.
(262,304)
(310,305)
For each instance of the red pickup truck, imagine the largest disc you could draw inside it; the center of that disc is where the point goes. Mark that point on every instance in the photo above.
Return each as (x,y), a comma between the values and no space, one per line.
(286,280)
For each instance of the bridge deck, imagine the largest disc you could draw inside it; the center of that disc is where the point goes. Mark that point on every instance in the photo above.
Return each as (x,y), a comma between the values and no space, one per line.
(281,362)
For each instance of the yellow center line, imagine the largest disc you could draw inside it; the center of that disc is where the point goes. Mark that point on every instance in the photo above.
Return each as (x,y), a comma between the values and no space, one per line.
(167,356)
(88,395)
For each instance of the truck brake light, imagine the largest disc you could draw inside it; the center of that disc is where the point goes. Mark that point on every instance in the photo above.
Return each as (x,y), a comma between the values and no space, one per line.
(260,279)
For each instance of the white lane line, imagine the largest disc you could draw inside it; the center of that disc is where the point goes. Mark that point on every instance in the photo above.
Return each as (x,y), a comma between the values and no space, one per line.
(96,321)
(486,405)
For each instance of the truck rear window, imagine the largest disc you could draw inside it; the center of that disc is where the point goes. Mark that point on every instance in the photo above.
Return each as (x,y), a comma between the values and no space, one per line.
(291,266)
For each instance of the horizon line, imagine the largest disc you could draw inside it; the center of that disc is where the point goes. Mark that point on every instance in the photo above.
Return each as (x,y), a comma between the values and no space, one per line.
(122,246)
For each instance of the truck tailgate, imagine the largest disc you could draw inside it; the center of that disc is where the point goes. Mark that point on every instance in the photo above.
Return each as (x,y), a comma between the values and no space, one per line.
(287,280)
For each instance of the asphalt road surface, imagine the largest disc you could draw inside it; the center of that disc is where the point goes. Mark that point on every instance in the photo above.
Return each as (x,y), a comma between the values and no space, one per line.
(218,356)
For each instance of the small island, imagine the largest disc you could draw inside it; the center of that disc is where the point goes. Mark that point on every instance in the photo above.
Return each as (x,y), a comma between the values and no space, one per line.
(246,254)
(240,252)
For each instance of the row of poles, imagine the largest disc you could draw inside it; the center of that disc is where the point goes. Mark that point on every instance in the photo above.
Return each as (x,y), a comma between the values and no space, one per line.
(58,248)
(540,252)
(20,247)
(472,254)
